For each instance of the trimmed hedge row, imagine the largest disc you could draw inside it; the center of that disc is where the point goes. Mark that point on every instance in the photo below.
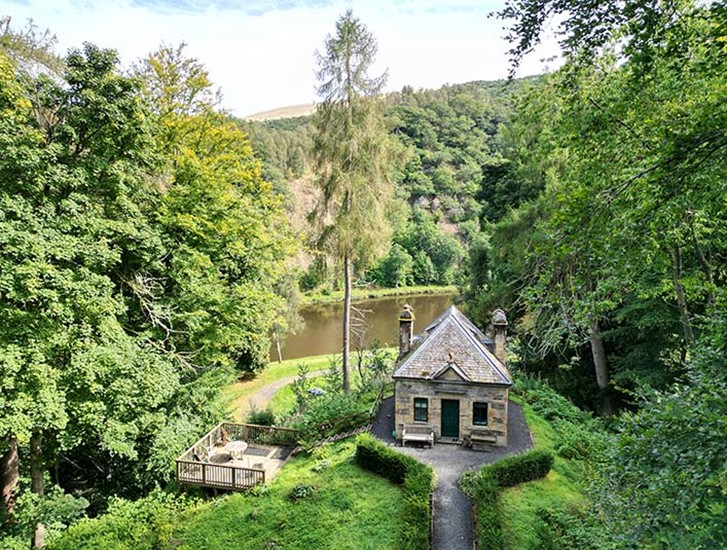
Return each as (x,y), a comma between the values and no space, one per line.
(484,490)
(488,521)
(418,483)
(516,469)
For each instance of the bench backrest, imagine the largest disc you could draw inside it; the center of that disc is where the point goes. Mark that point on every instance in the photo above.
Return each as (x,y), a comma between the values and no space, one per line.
(418,429)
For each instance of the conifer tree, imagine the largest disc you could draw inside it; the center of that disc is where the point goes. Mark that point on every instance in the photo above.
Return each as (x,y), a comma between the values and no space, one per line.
(352,152)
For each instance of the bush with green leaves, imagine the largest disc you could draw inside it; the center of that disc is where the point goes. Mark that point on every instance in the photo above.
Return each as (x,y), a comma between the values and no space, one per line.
(144,524)
(300,491)
(484,492)
(664,483)
(417,480)
(516,469)
(261,417)
(331,414)
(568,529)
(56,510)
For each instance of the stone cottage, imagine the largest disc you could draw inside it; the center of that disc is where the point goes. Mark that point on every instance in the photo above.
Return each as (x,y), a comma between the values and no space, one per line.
(451,382)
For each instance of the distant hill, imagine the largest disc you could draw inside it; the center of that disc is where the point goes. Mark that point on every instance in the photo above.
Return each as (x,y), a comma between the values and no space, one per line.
(283,112)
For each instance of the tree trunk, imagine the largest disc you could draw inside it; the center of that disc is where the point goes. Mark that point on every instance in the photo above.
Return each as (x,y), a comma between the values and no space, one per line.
(707,268)
(346,321)
(277,348)
(9,476)
(36,481)
(600,363)
(676,256)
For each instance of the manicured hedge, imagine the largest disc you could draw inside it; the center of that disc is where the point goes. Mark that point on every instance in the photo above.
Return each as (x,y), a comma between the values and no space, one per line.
(488,523)
(521,468)
(484,490)
(418,483)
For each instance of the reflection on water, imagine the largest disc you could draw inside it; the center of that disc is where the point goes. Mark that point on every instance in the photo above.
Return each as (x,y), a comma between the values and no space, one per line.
(322,331)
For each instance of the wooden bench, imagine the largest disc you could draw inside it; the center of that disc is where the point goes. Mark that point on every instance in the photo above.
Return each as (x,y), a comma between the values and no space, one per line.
(415,432)
(482,439)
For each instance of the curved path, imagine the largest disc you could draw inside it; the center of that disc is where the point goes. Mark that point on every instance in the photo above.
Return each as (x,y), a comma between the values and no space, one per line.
(452,523)
(260,399)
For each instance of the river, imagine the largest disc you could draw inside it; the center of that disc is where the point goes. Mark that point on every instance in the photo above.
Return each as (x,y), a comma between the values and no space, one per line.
(322,331)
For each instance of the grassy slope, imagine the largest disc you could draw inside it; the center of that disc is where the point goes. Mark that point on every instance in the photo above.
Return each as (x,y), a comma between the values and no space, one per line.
(237,394)
(284,399)
(559,489)
(289,111)
(350,509)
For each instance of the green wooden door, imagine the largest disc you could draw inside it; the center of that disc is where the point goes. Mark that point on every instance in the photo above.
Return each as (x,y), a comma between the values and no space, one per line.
(450,418)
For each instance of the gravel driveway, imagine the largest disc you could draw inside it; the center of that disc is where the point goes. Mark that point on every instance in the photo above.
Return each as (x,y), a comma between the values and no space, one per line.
(451,507)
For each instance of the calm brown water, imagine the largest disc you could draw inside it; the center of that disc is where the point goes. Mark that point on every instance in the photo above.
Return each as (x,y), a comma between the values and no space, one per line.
(322,332)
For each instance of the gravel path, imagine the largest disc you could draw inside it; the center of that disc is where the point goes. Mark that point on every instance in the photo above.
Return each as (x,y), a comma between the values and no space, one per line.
(260,399)
(451,507)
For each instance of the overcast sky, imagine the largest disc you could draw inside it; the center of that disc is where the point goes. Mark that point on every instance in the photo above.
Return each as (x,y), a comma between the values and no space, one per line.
(260,52)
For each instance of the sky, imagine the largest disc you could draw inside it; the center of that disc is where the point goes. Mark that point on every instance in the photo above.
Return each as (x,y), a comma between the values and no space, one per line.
(260,53)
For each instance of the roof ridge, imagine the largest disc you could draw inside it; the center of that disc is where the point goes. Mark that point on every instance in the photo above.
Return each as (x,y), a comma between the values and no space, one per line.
(471,334)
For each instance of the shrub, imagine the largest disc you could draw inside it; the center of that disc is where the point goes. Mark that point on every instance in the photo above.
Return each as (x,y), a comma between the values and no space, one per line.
(264,417)
(300,491)
(488,523)
(516,469)
(578,441)
(331,414)
(142,524)
(568,529)
(417,480)
(548,403)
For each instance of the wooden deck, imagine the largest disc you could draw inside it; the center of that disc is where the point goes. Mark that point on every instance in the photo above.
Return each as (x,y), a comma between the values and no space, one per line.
(205,463)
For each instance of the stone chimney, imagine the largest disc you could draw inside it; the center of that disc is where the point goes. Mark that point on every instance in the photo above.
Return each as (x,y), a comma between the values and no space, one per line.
(406,329)
(499,334)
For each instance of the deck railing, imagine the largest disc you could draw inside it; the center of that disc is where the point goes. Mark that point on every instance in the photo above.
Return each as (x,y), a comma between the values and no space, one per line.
(264,435)
(193,468)
(218,476)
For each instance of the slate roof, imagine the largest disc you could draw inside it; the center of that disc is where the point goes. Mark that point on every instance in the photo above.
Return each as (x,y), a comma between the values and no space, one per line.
(453,342)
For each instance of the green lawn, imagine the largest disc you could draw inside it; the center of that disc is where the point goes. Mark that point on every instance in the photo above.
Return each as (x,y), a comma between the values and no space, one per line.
(559,489)
(237,394)
(284,399)
(350,508)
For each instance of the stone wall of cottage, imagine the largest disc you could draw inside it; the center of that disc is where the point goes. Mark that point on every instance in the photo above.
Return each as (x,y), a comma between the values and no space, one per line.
(435,390)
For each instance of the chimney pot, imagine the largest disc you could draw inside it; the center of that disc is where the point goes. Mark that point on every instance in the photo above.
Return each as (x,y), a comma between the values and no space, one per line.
(499,333)
(406,329)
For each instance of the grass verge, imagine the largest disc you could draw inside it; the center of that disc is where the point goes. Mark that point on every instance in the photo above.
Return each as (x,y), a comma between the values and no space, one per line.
(347,508)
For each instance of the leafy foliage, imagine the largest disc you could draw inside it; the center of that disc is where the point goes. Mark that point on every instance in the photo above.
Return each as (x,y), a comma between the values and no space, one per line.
(263,417)
(139,250)
(622,253)
(664,482)
(484,488)
(143,524)
(301,491)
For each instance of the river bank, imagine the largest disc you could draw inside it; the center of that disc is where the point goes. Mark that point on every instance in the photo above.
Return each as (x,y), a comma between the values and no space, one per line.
(374,321)
(360,294)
